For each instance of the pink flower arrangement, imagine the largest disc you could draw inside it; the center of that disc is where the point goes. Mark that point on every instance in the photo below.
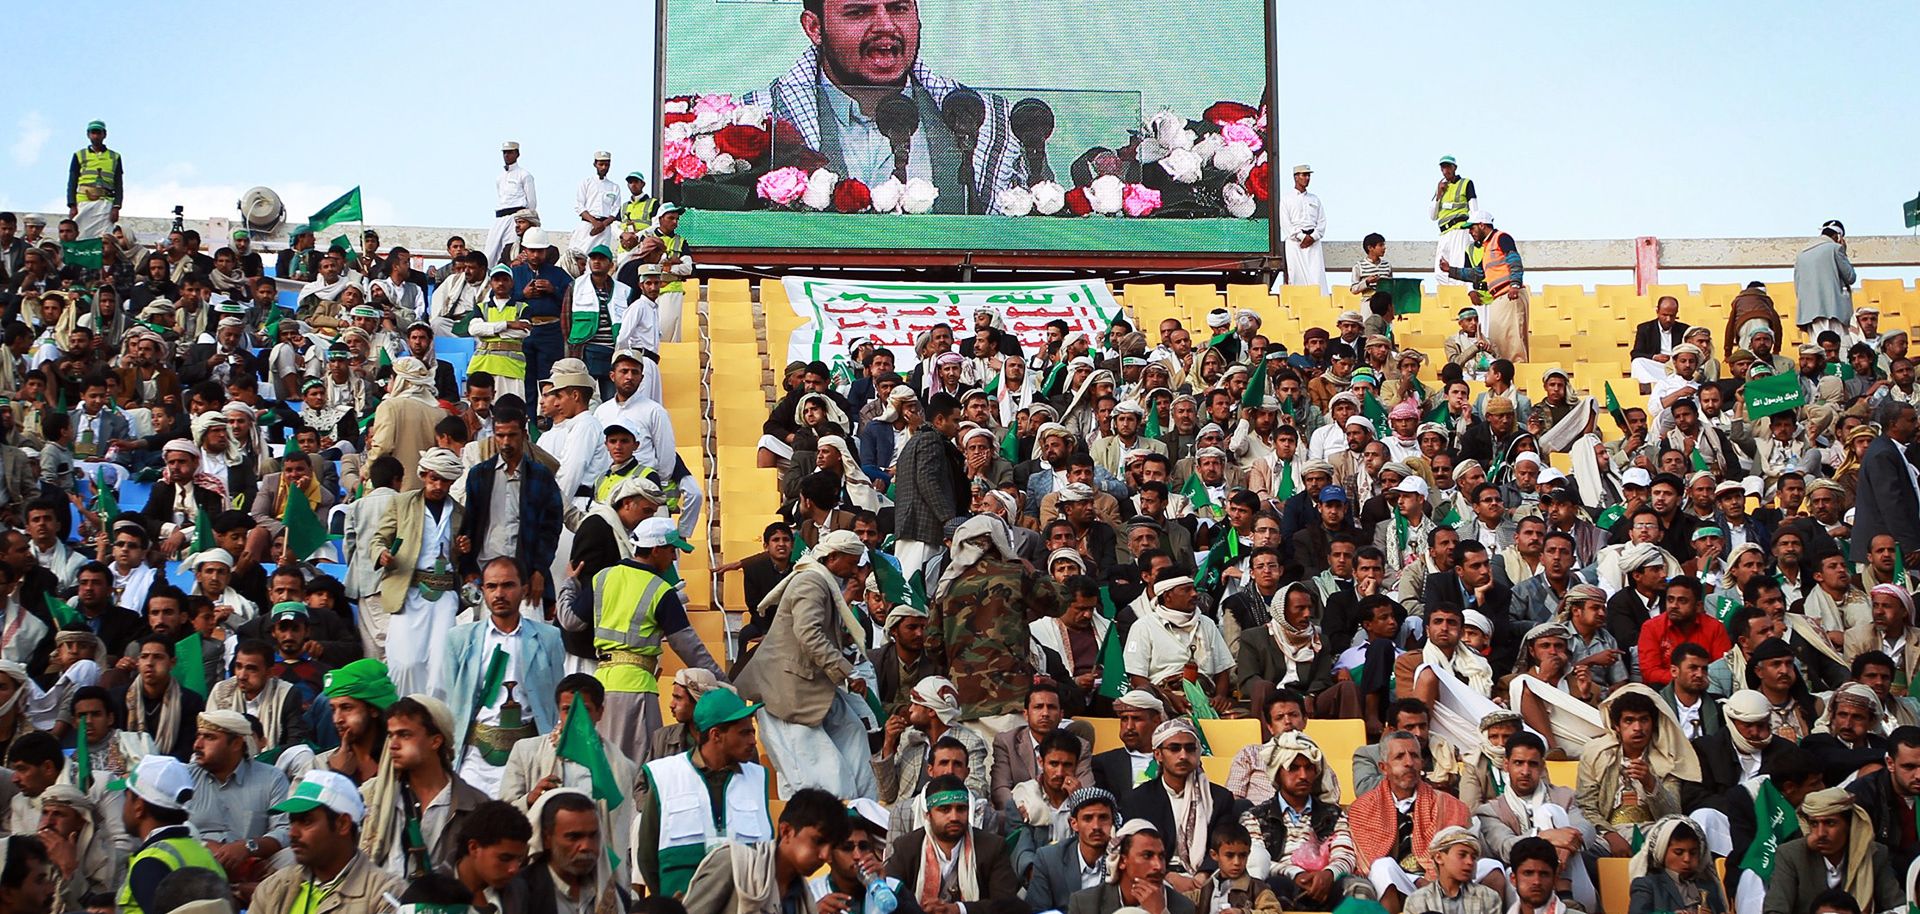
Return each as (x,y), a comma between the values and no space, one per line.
(1241,132)
(1140,200)
(782,186)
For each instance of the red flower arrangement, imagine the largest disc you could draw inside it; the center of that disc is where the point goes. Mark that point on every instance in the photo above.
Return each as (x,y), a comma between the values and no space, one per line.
(1260,182)
(1229,112)
(742,141)
(1077,202)
(852,196)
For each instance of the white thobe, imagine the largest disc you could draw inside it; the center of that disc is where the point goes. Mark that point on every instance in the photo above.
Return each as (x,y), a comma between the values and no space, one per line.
(453,298)
(513,190)
(1300,215)
(600,198)
(580,446)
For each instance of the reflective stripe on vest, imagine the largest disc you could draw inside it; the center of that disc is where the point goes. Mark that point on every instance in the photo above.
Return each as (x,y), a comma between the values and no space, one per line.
(1453,206)
(1499,273)
(499,356)
(673,246)
(687,816)
(639,213)
(174,853)
(583,318)
(97,168)
(625,597)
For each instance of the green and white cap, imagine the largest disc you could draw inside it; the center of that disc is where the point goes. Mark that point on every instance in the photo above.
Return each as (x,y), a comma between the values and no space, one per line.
(330,789)
(655,532)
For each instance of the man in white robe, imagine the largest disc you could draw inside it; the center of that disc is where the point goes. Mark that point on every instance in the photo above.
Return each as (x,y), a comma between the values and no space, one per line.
(513,191)
(597,203)
(1303,225)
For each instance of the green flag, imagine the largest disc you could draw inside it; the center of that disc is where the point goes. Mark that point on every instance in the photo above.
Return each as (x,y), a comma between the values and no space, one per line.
(1196,492)
(1048,387)
(64,615)
(1221,555)
(344,209)
(917,590)
(1772,394)
(1438,415)
(1613,408)
(1699,461)
(82,759)
(580,743)
(1609,517)
(1219,338)
(993,385)
(1452,517)
(202,531)
(87,253)
(1256,387)
(1010,444)
(1113,662)
(1284,489)
(190,664)
(1900,575)
(305,533)
(495,678)
(1153,421)
(892,586)
(1405,292)
(1724,606)
(1910,212)
(104,504)
(1376,413)
(1777,823)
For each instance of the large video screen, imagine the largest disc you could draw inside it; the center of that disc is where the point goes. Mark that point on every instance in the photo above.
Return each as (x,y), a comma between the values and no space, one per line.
(1050,125)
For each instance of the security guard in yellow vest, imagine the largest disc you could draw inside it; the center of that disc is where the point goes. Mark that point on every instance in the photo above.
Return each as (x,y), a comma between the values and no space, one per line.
(1453,198)
(499,323)
(157,793)
(637,214)
(95,184)
(636,606)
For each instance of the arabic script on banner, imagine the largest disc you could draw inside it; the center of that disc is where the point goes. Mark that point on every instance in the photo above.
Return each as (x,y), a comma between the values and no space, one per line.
(840,313)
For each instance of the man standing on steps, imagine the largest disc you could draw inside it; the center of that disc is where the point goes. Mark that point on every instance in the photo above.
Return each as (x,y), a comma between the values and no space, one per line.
(664,247)
(1500,283)
(1452,201)
(513,191)
(597,203)
(96,184)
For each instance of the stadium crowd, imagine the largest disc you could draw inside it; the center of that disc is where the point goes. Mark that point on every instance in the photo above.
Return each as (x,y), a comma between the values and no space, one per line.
(207,701)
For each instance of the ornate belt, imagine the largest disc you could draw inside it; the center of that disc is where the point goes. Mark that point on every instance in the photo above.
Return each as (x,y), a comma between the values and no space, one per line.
(648,662)
(496,743)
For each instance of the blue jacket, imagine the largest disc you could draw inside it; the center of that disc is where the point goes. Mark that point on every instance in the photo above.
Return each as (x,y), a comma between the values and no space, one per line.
(466,664)
(876,444)
(540,509)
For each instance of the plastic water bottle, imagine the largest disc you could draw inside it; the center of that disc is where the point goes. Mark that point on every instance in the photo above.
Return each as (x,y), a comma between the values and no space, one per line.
(880,897)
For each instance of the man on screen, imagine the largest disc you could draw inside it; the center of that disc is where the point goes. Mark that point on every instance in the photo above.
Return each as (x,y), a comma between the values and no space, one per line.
(862,97)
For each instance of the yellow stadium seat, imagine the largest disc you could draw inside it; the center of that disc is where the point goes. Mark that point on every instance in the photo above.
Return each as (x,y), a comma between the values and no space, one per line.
(1338,740)
(1616,886)
(1106,732)
(1563,774)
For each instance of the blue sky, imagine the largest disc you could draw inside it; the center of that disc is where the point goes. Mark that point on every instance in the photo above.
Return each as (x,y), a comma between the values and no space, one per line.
(1576,120)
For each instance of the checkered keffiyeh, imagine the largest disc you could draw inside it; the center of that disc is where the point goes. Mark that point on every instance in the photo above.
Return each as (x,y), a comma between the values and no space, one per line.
(794,98)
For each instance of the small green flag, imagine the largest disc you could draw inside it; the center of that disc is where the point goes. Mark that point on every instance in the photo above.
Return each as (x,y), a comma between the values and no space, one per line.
(993,385)
(88,253)
(190,664)
(1613,408)
(1778,823)
(1284,489)
(202,531)
(1051,385)
(917,590)
(1699,461)
(1449,519)
(344,209)
(1221,555)
(580,743)
(1840,370)
(305,533)
(1199,709)
(1376,413)
(1256,387)
(892,586)
(1900,575)
(104,504)
(1405,292)
(1219,338)
(1724,606)
(82,757)
(64,615)
(1196,492)
(1153,421)
(495,678)
(1114,681)
(1772,394)
(1010,444)
(1910,212)
(1609,517)
(1438,415)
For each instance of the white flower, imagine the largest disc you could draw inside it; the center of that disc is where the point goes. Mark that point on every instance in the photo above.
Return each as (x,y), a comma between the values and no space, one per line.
(677,106)
(704,149)
(886,195)
(708,121)
(1206,148)
(1048,198)
(749,116)
(919,195)
(680,131)
(1014,201)
(1183,165)
(1165,126)
(722,164)
(1241,174)
(1106,194)
(1240,204)
(819,192)
(1233,156)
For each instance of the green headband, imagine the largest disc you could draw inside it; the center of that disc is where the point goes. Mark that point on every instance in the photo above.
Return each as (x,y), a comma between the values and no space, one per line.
(948,798)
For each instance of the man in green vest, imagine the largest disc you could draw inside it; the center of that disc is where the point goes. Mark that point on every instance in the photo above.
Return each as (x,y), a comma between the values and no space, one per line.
(156,811)
(636,606)
(670,842)
(95,184)
(1452,200)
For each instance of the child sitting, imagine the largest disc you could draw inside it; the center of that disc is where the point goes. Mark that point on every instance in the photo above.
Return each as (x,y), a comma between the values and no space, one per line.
(1452,857)
(1670,872)
(1230,890)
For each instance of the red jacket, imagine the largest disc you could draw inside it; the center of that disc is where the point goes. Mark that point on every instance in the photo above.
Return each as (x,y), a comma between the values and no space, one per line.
(1662,634)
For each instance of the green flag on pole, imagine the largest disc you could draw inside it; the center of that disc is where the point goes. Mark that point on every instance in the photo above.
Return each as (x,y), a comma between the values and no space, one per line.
(1113,663)
(1910,212)
(1010,444)
(305,533)
(104,504)
(1405,292)
(1256,387)
(1452,516)
(1778,823)
(1152,429)
(346,208)
(1613,407)
(892,586)
(1196,492)
(202,531)
(495,678)
(64,615)
(917,590)
(1609,517)
(580,743)
(1376,413)
(190,664)
(1699,461)
(1438,414)
(1773,394)
(88,253)
(1900,575)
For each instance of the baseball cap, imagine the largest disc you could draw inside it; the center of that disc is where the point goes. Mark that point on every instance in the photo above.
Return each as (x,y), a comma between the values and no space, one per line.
(659,531)
(720,706)
(289,610)
(1333,494)
(161,780)
(329,789)
(1636,476)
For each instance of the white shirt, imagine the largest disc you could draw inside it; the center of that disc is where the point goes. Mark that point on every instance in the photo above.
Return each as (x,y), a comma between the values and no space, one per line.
(652,428)
(514,189)
(436,536)
(1301,213)
(580,446)
(639,326)
(597,197)
(867,152)
(1749,764)
(1156,652)
(1091,874)
(516,644)
(1689,718)
(503,514)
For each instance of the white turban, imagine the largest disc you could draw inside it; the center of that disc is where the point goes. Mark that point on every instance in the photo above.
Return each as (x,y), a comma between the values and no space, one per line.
(842,542)
(443,463)
(939,695)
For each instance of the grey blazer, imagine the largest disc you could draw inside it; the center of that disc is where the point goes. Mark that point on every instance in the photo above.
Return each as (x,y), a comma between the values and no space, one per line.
(1055,877)
(1800,875)
(1013,764)
(1105,899)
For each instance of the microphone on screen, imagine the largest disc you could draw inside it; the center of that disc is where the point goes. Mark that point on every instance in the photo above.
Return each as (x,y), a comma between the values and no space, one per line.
(964,111)
(1032,123)
(898,117)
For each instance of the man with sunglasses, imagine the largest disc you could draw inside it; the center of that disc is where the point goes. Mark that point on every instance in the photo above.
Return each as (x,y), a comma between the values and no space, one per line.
(1181,803)
(842,889)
